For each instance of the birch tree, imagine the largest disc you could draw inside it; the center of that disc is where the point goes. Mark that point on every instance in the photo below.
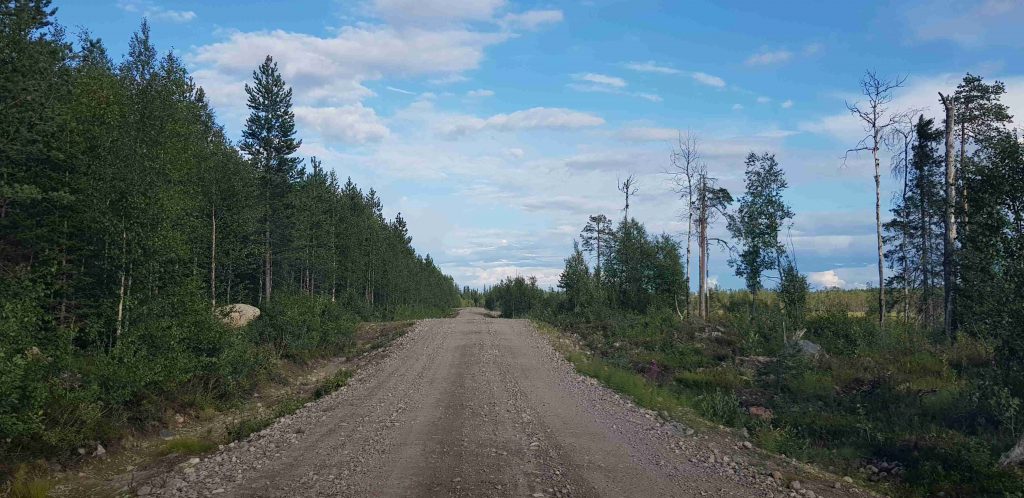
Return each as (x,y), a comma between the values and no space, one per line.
(877,119)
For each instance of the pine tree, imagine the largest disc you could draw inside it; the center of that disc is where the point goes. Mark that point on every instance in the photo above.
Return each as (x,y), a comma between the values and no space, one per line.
(269,141)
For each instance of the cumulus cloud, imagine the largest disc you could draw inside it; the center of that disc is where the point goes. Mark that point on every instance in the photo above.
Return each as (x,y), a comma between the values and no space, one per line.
(651,67)
(480,93)
(766,58)
(532,19)
(534,118)
(333,69)
(707,79)
(763,100)
(352,124)
(156,12)
(825,279)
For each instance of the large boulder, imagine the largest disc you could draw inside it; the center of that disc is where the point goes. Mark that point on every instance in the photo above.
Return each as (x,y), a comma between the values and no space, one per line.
(238,315)
(808,348)
(1013,457)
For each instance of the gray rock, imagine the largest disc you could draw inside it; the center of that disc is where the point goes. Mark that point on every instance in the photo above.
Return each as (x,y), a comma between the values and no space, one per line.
(808,348)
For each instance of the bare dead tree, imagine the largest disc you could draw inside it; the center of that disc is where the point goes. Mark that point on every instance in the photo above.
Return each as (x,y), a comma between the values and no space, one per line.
(949,241)
(686,166)
(877,119)
(899,141)
(629,188)
(711,201)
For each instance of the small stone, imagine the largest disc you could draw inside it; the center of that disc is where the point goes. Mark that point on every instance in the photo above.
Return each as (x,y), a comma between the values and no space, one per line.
(193,460)
(848,479)
(776,475)
(871,469)
(747,445)
(144,490)
(795,485)
(100,452)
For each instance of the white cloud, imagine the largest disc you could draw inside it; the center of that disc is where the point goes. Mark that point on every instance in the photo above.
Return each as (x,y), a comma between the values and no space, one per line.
(920,93)
(737,107)
(434,11)
(532,19)
(515,152)
(399,90)
(480,93)
(786,104)
(601,80)
(707,79)
(649,96)
(641,134)
(769,57)
(651,67)
(332,70)
(825,279)
(156,12)
(535,118)
(353,124)
(763,100)
(970,23)
(813,49)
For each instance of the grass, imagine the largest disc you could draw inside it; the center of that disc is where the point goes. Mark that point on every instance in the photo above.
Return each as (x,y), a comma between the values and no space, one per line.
(188,446)
(332,383)
(249,425)
(25,485)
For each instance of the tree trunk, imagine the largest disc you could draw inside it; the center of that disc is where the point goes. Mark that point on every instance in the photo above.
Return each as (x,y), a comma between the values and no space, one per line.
(949,241)
(906,234)
(267,263)
(213,258)
(878,233)
(122,288)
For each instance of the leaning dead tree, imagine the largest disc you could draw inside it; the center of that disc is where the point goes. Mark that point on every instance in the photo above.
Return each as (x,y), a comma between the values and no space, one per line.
(949,241)
(877,119)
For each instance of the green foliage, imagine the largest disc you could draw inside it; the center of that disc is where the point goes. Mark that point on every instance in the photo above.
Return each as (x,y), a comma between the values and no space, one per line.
(759,219)
(515,297)
(332,383)
(251,425)
(126,216)
(188,446)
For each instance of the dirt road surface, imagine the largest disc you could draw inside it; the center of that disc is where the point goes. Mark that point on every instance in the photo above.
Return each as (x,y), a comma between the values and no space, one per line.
(468,406)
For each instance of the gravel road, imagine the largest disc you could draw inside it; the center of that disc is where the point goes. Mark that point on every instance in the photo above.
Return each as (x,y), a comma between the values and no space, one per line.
(469,406)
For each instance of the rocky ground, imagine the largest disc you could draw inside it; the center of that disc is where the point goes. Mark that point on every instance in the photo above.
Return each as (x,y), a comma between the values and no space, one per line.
(479,406)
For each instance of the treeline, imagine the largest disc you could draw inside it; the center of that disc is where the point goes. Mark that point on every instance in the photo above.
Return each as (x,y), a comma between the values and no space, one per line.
(127,216)
(916,390)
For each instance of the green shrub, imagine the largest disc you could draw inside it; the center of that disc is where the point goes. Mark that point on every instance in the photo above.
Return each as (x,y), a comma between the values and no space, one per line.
(721,407)
(332,383)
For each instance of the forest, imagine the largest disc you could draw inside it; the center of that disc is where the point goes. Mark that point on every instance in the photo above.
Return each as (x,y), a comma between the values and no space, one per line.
(128,218)
(912,386)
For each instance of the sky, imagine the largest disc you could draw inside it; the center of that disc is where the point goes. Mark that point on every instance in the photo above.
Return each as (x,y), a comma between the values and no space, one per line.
(496,127)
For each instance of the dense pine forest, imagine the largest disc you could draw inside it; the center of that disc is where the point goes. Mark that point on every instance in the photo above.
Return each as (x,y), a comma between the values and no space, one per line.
(128,218)
(913,386)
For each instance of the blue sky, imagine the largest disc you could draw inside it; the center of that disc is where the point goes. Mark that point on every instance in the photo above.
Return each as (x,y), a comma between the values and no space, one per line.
(496,126)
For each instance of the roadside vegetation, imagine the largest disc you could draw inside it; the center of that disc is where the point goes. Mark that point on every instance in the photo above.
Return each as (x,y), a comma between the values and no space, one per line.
(128,219)
(912,386)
